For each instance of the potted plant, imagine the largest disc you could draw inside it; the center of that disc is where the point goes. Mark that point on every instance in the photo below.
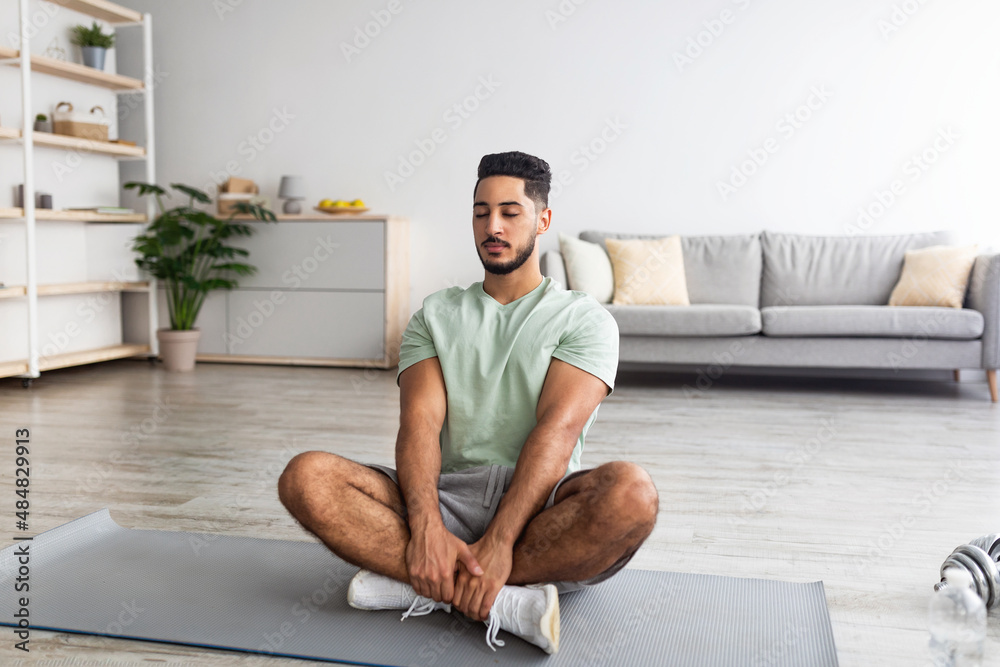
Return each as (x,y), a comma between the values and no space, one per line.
(42,123)
(188,250)
(94,43)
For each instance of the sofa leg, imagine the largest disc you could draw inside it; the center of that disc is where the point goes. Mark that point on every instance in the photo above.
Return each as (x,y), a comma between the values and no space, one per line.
(991,377)
(958,375)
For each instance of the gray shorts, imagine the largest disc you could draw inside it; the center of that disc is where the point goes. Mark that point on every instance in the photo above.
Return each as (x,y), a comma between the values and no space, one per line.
(469,500)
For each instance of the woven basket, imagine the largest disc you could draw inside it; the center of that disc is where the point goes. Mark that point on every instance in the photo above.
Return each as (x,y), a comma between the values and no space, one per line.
(71,123)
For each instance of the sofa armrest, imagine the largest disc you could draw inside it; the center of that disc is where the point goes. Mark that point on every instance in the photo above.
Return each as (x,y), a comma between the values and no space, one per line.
(984,296)
(552,265)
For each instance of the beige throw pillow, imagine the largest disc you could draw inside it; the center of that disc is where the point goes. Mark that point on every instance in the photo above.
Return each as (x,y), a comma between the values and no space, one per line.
(588,268)
(649,272)
(935,276)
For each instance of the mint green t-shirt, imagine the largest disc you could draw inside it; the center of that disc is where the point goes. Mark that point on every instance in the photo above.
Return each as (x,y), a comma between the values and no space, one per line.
(495,357)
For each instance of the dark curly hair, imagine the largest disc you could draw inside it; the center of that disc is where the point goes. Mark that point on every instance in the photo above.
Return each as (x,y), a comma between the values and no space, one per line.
(532,170)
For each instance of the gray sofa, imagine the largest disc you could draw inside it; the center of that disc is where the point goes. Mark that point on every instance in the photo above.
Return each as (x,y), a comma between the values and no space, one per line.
(788,300)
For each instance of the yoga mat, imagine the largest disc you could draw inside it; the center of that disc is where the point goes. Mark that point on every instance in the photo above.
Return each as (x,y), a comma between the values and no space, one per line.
(93,576)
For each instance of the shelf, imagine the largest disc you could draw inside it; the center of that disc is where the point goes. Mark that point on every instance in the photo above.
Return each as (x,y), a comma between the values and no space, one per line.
(90,356)
(316,217)
(73,71)
(72,216)
(94,286)
(294,361)
(8,368)
(76,143)
(102,10)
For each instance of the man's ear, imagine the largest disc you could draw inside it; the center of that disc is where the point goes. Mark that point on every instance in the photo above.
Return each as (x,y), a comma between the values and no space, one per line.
(544,220)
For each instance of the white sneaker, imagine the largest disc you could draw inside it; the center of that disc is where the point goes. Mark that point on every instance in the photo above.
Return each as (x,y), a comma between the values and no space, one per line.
(530,612)
(371,591)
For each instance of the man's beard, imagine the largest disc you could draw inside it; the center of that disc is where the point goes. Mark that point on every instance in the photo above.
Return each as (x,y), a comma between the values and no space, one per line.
(503,268)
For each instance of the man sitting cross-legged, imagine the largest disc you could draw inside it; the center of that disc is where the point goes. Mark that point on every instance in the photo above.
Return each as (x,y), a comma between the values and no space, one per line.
(488,510)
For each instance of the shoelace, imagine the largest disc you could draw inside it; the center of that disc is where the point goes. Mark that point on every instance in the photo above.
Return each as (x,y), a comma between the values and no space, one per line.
(507,606)
(492,630)
(421,606)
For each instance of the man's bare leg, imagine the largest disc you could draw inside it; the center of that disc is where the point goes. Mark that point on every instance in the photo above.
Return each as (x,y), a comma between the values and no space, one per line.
(597,518)
(356,511)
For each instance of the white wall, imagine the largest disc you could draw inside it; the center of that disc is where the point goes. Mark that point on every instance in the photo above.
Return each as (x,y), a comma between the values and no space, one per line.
(232,68)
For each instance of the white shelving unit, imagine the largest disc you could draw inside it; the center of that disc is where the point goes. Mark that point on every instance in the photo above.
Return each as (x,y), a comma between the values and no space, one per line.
(33,143)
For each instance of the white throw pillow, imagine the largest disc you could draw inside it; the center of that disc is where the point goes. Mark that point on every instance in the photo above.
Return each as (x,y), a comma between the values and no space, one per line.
(588,268)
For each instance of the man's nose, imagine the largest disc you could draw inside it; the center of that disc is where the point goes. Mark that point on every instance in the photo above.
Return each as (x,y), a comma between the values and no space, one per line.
(494,226)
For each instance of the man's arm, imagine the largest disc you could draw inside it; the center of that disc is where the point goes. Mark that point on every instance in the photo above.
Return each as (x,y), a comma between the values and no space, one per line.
(433,552)
(569,396)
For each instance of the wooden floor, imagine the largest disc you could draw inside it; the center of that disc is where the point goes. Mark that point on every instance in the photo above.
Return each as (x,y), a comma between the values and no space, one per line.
(866,485)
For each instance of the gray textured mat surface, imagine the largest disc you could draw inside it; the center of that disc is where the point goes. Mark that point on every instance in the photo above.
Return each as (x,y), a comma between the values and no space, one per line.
(289,598)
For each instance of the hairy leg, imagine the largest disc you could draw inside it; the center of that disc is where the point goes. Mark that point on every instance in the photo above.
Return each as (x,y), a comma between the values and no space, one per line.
(598,517)
(356,511)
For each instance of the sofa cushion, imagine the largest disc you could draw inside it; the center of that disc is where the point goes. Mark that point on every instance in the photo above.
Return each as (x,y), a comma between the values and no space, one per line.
(693,320)
(717,269)
(835,270)
(872,321)
(935,276)
(588,268)
(648,272)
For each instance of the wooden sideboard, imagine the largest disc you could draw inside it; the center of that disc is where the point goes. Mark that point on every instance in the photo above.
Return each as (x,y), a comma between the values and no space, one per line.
(328,291)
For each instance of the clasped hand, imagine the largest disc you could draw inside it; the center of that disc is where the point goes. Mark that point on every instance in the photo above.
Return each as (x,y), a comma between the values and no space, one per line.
(446,569)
